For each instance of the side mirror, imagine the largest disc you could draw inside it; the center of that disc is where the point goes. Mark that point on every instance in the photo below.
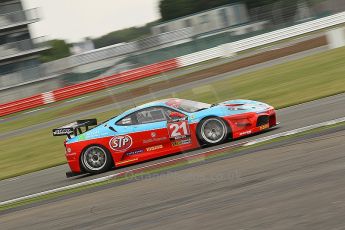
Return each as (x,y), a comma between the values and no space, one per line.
(176,115)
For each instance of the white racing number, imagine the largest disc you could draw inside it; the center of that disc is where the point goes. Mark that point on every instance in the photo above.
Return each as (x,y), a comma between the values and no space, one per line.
(178,129)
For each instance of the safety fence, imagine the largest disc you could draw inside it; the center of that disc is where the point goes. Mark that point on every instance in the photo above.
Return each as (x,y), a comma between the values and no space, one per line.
(225,50)
(87,87)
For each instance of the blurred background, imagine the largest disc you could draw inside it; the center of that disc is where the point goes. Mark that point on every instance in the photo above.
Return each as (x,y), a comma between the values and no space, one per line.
(63,60)
(31,65)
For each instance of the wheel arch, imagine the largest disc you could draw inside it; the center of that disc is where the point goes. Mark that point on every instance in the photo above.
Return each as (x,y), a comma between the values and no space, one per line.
(90,145)
(229,134)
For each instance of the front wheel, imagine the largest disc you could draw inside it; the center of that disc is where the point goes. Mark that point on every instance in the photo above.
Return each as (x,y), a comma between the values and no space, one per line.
(212,131)
(96,159)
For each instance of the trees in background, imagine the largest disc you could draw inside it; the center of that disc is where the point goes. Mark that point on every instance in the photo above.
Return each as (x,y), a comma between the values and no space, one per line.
(59,49)
(171,9)
(256,3)
(124,35)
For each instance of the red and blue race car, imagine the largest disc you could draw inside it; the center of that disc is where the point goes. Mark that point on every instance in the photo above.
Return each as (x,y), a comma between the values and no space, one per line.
(160,128)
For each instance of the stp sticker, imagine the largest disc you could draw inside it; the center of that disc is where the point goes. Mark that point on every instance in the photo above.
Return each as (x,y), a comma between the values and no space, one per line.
(120,143)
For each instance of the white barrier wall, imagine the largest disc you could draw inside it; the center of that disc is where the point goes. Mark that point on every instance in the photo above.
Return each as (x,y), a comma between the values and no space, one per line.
(336,38)
(194,58)
(288,32)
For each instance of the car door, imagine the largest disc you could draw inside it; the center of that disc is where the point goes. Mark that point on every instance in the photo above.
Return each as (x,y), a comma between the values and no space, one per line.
(147,131)
(152,124)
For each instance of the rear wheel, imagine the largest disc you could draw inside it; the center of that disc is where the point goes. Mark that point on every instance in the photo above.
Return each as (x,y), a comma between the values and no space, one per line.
(96,159)
(212,131)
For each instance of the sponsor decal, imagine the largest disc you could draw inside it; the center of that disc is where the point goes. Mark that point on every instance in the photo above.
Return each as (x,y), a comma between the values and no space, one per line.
(243,124)
(126,121)
(93,133)
(154,140)
(121,143)
(153,148)
(246,133)
(179,137)
(124,162)
(262,127)
(181,142)
(62,131)
(135,152)
(82,137)
(178,119)
(153,134)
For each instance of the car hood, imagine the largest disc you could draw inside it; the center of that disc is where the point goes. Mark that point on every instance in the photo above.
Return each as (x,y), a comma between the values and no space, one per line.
(247,105)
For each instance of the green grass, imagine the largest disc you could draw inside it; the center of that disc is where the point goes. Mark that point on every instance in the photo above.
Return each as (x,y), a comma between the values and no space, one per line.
(32,119)
(31,152)
(282,85)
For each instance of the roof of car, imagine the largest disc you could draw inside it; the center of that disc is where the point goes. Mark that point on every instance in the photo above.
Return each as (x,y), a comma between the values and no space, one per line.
(153,103)
(158,102)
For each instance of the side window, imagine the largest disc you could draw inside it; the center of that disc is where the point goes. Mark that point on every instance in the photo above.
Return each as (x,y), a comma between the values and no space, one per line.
(150,115)
(128,120)
(168,112)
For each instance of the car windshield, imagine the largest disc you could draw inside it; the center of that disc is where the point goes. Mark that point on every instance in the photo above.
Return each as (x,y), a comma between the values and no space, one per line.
(187,105)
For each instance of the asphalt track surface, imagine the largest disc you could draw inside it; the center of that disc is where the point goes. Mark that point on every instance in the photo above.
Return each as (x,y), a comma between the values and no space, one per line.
(291,118)
(296,184)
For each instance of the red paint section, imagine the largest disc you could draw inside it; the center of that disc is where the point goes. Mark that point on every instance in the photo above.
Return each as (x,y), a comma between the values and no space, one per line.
(143,146)
(90,86)
(245,124)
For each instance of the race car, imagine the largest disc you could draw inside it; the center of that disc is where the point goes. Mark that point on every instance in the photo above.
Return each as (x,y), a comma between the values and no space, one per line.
(158,129)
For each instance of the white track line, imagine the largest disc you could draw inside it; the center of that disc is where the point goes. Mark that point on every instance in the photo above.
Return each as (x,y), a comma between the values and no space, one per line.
(35,110)
(76,99)
(295,131)
(106,178)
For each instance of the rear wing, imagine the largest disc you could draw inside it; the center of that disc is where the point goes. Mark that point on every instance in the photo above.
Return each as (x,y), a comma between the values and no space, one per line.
(74,128)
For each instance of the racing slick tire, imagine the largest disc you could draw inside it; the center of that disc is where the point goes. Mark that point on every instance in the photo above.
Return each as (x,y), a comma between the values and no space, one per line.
(212,131)
(96,159)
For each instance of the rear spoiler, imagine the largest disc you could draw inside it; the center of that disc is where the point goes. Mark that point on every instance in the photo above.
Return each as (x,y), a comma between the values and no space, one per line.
(74,128)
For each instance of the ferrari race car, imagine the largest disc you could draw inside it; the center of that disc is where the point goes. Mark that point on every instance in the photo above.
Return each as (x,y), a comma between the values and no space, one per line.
(160,128)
